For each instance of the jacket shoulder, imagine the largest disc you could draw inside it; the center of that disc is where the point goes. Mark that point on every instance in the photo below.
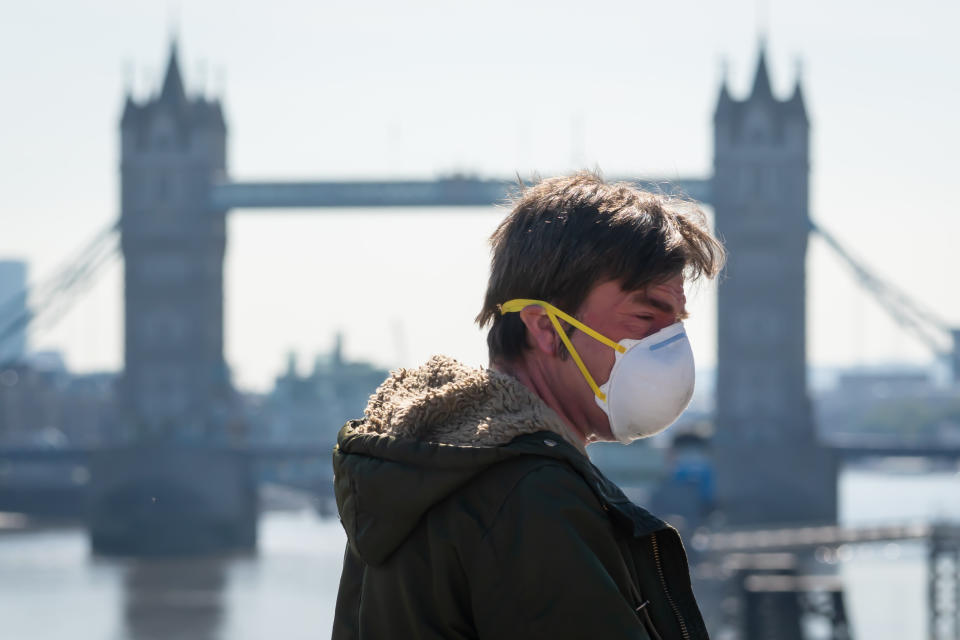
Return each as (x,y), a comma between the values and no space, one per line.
(545,483)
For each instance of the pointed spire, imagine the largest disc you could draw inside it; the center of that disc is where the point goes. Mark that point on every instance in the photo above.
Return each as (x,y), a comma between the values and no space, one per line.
(291,364)
(131,113)
(337,352)
(172,83)
(795,105)
(725,104)
(761,80)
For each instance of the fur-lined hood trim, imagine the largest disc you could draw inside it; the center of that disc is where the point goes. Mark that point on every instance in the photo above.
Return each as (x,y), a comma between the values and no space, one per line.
(446,402)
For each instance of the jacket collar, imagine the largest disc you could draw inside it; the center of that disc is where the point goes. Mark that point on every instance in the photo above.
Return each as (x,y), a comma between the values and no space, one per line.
(636,520)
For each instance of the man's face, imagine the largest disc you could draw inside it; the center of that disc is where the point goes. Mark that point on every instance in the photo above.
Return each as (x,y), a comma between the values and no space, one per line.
(619,315)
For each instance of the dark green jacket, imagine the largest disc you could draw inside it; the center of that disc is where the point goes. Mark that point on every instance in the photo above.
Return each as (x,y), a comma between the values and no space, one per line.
(526,540)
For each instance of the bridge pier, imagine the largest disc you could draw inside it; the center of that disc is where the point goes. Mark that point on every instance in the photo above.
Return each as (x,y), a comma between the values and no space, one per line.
(171,500)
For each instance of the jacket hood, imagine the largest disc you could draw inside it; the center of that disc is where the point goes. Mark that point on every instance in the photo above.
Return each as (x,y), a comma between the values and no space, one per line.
(425,433)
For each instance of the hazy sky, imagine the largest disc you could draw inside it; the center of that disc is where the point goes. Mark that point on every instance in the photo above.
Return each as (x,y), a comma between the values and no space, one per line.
(367,89)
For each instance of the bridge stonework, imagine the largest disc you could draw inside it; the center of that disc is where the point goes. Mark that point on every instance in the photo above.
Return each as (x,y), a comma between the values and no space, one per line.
(173,147)
(769,466)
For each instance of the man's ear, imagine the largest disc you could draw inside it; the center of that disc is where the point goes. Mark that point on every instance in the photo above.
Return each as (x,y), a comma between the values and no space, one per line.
(540,332)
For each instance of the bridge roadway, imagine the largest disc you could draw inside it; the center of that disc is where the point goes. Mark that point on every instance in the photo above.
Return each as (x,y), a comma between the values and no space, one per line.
(449,191)
(83,455)
(846,445)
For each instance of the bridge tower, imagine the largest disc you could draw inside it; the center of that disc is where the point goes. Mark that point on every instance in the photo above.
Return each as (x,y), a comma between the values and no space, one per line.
(770,468)
(173,147)
(163,494)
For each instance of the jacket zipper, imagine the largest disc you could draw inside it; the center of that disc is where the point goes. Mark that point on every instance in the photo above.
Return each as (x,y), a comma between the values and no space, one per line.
(663,583)
(641,604)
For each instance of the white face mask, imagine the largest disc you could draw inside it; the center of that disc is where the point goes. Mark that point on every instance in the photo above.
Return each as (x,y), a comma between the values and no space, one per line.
(651,382)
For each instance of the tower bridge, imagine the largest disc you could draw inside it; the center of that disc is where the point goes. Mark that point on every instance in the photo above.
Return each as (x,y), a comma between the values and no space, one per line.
(176,192)
(446,191)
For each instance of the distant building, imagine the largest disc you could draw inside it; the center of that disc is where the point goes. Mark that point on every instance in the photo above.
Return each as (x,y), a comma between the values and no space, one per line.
(13,305)
(308,410)
(43,405)
(311,408)
(903,403)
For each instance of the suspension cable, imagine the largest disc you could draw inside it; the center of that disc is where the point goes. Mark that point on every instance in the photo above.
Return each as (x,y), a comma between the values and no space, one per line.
(905,311)
(52,298)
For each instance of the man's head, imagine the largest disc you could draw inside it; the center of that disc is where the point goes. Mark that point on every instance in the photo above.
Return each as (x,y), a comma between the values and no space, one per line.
(610,255)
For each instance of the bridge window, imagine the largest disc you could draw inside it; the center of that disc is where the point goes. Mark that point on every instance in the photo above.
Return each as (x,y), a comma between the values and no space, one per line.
(164,268)
(164,328)
(771,182)
(751,181)
(162,134)
(758,394)
(164,187)
(759,326)
(752,268)
(757,127)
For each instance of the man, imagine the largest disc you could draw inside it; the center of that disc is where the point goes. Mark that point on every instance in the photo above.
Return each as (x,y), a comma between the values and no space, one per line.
(470,507)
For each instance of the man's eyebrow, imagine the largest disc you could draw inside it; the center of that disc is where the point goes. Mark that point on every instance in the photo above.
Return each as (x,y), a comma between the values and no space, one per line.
(642,297)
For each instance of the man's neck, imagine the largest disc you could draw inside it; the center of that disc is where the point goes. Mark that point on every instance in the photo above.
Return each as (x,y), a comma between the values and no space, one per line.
(528,376)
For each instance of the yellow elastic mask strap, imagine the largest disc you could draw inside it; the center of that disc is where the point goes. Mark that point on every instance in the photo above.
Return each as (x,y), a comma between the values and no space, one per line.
(519,304)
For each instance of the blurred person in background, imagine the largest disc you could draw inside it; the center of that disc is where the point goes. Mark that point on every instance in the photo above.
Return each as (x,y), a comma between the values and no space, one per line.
(470,506)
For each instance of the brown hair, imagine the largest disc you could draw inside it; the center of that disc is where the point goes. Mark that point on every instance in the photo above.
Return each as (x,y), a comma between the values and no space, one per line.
(565,235)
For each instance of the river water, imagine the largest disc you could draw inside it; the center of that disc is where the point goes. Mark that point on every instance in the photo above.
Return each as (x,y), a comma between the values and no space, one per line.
(51,588)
